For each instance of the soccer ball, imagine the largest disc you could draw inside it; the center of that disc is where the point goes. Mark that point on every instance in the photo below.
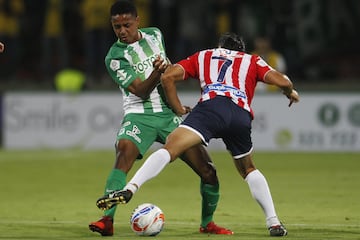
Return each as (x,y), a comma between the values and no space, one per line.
(147,220)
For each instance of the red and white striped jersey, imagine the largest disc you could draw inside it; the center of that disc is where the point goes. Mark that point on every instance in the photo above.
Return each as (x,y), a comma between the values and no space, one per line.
(223,72)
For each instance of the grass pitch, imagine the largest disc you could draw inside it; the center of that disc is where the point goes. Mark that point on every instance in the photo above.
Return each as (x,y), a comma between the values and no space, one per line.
(51,195)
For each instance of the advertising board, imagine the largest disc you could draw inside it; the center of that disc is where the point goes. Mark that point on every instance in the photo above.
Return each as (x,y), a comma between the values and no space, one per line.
(319,122)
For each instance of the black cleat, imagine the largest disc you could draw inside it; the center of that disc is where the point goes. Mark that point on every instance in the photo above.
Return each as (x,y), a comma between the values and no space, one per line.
(278,230)
(116,197)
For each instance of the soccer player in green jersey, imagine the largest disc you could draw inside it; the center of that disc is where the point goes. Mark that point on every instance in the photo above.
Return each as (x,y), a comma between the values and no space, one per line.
(136,62)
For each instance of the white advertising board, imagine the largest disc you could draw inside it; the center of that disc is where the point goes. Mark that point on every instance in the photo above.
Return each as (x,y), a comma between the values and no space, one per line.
(50,120)
(320,122)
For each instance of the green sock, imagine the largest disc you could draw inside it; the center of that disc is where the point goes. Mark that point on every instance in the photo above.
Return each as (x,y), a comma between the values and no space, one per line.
(116,181)
(210,197)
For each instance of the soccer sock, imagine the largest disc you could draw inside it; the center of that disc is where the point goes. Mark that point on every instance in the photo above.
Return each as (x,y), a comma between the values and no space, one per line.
(153,165)
(261,193)
(116,181)
(210,197)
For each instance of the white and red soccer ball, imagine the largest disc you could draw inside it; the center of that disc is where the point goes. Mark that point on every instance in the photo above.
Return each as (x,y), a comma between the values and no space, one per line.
(147,220)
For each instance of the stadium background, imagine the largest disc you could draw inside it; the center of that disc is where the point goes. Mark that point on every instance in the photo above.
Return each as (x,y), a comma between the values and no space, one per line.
(318,39)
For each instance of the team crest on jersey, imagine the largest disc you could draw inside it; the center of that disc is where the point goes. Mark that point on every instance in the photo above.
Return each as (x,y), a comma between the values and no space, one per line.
(114,64)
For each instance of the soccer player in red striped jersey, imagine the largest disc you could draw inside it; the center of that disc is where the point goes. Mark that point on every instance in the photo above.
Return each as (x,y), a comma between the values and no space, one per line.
(228,78)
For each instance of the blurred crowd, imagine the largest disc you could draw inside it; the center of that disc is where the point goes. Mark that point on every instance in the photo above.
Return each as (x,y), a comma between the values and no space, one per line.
(311,40)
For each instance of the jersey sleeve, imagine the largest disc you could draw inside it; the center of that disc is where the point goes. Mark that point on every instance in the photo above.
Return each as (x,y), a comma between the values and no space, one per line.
(120,71)
(191,66)
(261,68)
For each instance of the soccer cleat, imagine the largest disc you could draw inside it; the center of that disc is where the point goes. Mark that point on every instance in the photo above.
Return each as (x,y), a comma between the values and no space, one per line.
(278,230)
(212,228)
(104,226)
(110,200)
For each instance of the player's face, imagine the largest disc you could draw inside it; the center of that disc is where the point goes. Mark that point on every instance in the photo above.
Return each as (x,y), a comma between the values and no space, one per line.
(126,27)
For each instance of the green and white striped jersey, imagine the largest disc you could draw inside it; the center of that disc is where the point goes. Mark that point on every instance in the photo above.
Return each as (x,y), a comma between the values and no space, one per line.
(126,62)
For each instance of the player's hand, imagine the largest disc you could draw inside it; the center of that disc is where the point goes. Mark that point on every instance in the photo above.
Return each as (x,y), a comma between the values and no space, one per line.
(187,109)
(184,110)
(160,64)
(293,97)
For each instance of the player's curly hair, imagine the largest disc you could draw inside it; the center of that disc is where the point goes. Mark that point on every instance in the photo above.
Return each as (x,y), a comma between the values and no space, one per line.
(123,7)
(232,41)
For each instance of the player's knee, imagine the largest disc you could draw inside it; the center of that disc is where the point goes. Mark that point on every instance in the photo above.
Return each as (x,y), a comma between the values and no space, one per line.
(244,165)
(247,172)
(174,154)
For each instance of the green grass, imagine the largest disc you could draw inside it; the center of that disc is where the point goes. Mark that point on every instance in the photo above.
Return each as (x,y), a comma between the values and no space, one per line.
(51,195)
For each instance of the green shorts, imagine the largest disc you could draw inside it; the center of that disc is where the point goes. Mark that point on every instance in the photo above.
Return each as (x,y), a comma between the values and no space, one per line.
(145,129)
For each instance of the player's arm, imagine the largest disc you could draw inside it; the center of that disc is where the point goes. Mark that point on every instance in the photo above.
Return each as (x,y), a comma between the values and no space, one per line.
(173,74)
(143,89)
(280,80)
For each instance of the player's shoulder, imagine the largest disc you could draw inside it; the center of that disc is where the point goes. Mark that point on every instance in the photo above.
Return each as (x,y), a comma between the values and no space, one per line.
(116,50)
(206,51)
(151,30)
(255,57)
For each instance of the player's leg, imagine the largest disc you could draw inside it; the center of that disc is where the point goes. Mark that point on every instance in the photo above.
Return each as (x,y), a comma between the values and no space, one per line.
(199,160)
(126,153)
(260,191)
(177,142)
(129,147)
(238,141)
(153,127)
(197,124)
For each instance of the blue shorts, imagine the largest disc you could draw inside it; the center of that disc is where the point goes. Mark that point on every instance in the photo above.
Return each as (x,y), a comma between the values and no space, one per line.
(221,118)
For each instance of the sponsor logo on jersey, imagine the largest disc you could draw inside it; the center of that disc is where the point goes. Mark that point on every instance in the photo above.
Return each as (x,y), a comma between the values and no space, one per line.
(141,67)
(134,133)
(122,75)
(225,88)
